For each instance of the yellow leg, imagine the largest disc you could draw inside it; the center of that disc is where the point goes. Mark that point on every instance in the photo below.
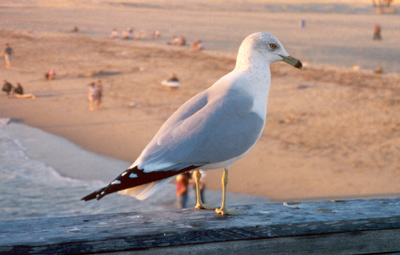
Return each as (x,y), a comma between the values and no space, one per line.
(223,210)
(199,204)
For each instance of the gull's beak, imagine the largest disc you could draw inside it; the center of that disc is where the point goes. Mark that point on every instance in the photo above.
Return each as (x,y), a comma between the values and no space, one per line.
(292,61)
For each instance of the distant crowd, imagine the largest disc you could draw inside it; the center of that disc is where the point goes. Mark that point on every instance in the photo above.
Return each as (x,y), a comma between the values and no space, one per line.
(130,33)
(95,90)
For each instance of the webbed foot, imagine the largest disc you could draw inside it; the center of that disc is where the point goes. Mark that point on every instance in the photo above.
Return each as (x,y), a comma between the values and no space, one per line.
(204,207)
(224,211)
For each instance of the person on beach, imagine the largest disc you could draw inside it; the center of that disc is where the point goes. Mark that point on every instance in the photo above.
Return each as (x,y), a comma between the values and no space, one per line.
(377,32)
(155,35)
(182,191)
(196,45)
(181,41)
(172,81)
(173,78)
(114,34)
(50,75)
(92,91)
(99,93)
(19,92)
(127,34)
(7,51)
(7,87)
(177,40)
(75,29)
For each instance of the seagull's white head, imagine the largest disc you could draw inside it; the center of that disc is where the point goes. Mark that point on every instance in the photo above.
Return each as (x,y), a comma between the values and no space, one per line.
(263,49)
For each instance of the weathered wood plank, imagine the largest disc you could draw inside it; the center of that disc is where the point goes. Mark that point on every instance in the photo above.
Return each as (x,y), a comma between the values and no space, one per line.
(363,242)
(365,226)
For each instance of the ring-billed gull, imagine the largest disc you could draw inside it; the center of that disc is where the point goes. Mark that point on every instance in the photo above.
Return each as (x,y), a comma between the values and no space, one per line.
(211,130)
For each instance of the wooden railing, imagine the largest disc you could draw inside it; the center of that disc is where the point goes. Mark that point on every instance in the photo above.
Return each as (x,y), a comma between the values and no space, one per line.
(327,227)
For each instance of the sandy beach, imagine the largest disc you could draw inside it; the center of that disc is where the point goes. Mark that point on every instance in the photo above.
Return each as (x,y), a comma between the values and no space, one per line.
(333,129)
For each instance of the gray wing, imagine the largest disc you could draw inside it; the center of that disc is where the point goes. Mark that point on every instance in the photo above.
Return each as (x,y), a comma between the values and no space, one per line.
(209,128)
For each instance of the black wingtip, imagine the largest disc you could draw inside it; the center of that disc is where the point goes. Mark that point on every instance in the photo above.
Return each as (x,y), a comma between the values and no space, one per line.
(95,195)
(88,197)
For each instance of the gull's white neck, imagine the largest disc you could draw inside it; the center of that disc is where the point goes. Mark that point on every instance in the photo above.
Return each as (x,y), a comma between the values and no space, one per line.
(255,67)
(254,63)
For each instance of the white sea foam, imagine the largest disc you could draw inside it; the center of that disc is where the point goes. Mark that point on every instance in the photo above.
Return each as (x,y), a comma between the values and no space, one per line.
(30,188)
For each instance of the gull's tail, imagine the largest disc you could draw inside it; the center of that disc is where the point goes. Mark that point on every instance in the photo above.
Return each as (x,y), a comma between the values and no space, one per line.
(137,183)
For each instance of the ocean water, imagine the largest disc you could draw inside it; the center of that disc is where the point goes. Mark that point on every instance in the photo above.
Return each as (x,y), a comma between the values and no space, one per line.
(31,188)
(43,175)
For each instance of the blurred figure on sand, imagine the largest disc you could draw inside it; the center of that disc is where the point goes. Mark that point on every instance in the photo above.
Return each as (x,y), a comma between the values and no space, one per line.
(181,41)
(182,191)
(114,34)
(92,95)
(127,34)
(7,51)
(7,87)
(155,35)
(99,93)
(50,75)
(302,23)
(19,92)
(178,40)
(196,45)
(173,77)
(172,81)
(75,29)
(377,32)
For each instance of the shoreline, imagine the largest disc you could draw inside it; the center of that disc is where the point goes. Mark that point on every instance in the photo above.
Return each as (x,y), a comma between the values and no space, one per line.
(58,173)
(320,141)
